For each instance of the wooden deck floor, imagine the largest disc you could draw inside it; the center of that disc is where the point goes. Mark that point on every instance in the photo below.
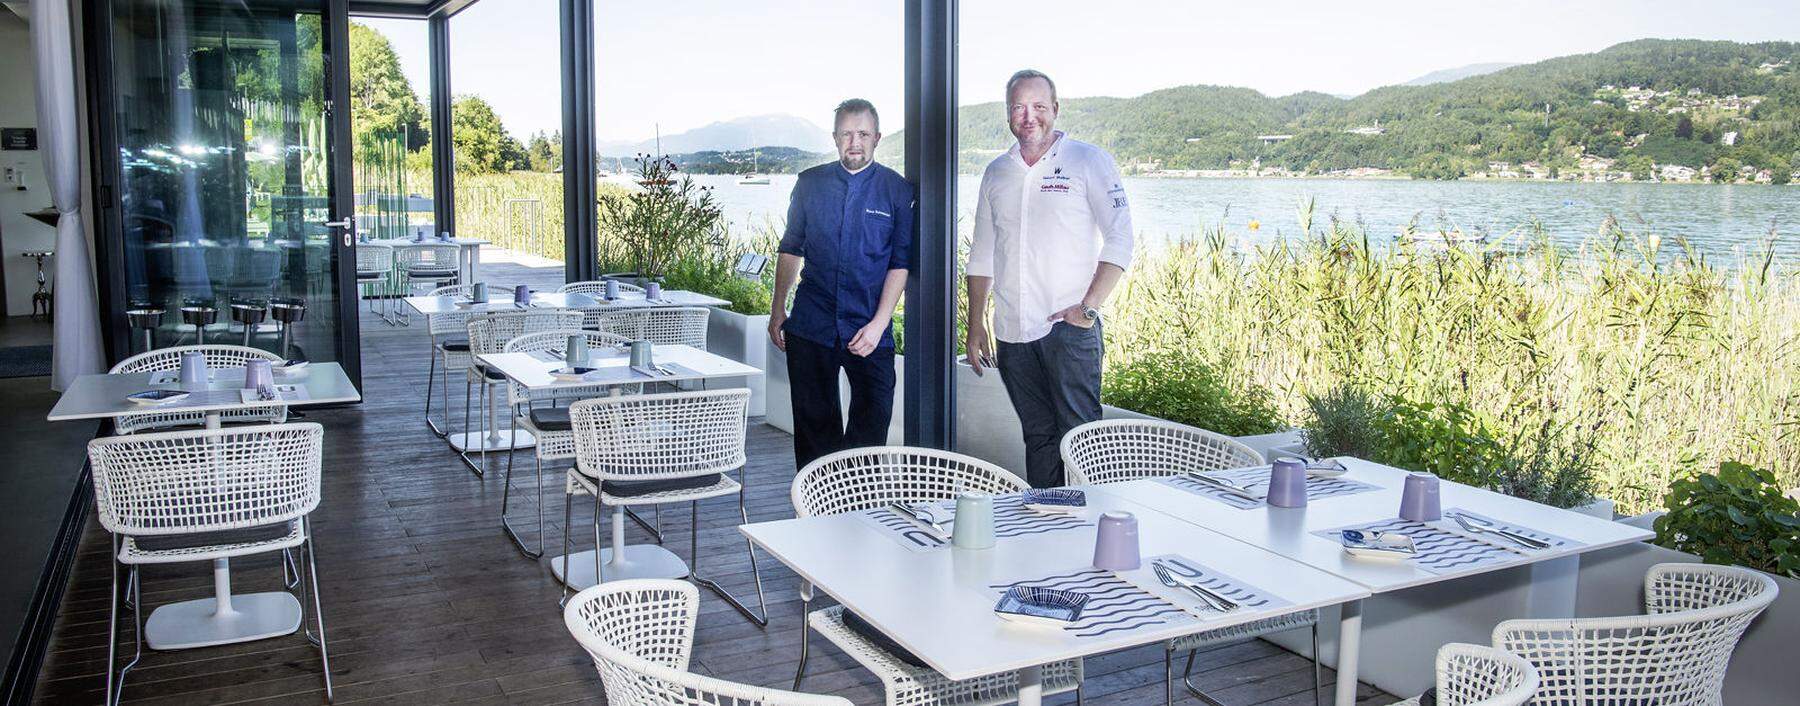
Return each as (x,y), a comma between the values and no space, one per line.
(427,602)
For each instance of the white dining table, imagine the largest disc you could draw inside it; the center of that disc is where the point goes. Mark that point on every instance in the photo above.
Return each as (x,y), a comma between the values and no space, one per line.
(1307,535)
(499,300)
(225,618)
(938,602)
(672,363)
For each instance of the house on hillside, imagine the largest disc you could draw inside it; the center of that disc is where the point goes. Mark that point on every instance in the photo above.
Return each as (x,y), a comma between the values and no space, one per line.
(1729,139)
(1676,172)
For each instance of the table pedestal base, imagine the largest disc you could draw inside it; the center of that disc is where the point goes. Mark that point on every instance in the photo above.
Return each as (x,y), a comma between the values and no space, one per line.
(200,623)
(478,440)
(641,561)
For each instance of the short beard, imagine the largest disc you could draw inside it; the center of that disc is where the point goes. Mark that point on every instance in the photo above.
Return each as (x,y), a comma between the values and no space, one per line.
(845,163)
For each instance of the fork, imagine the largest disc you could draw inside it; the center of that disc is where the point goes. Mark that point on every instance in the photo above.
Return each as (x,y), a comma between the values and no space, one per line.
(1212,600)
(909,512)
(1484,527)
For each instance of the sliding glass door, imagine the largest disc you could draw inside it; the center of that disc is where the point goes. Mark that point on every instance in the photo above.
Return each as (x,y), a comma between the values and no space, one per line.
(231,215)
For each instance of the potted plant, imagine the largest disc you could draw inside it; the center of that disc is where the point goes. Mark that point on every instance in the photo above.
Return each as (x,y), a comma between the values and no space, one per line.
(669,219)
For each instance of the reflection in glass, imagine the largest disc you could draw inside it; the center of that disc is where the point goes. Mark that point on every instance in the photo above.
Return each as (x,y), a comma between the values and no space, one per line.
(224,151)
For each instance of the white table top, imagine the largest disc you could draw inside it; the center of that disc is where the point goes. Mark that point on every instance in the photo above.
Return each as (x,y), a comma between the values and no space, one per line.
(1289,531)
(499,299)
(532,370)
(103,395)
(939,604)
(670,297)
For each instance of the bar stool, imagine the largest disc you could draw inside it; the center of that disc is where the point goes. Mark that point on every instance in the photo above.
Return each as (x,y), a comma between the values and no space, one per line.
(250,314)
(199,314)
(147,318)
(287,312)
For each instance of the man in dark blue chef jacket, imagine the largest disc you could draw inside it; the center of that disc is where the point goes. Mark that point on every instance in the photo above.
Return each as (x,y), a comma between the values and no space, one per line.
(849,238)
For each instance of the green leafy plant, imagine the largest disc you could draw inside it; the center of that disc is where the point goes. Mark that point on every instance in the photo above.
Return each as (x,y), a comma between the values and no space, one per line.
(668,220)
(1341,422)
(1735,516)
(1185,389)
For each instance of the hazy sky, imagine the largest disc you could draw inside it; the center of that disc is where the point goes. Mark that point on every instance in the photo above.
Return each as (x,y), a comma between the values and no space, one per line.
(685,63)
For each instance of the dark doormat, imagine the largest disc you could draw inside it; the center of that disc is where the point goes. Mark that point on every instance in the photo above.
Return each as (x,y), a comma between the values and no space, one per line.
(24,361)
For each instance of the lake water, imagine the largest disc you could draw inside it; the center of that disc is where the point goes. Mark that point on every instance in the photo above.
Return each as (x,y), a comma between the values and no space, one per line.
(1718,219)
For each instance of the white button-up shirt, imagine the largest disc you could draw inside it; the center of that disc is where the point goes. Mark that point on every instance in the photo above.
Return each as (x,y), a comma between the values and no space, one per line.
(1042,230)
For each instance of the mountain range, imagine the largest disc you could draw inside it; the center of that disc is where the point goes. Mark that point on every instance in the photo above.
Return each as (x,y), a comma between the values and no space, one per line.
(1457,74)
(735,134)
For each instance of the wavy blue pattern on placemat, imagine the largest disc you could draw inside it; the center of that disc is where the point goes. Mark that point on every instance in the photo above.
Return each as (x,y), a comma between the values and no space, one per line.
(1441,550)
(1011,519)
(1256,478)
(1114,604)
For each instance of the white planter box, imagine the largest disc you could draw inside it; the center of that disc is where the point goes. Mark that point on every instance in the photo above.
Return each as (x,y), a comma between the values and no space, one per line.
(779,411)
(743,338)
(1761,671)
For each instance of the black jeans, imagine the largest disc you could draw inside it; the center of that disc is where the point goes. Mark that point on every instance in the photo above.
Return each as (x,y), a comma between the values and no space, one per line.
(1054,385)
(819,427)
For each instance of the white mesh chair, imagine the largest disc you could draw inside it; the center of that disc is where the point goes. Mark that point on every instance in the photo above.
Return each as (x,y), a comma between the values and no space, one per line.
(685,325)
(207,495)
(1121,450)
(436,264)
(653,450)
(1118,450)
(597,286)
(375,271)
(640,634)
(449,352)
(860,479)
(217,357)
(1674,655)
(1476,675)
(549,425)
(489,333)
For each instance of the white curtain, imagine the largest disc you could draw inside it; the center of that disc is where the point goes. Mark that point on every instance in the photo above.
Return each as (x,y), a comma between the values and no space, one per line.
(77,345)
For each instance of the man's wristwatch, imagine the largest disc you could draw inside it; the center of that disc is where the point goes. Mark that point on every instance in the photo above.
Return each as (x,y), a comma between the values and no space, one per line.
(1090,313)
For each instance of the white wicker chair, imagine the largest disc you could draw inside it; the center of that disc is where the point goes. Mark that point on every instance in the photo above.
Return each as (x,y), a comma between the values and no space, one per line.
(489,333)
(596,286)
(860,479)
(1675,655)
(550,426)
(165,496)
(437,264)
(1118,450)
(1121,450)
(640,633)
(684,325)
(449,352)
(217,356)
(1476,675)
(375,270)
(622,443)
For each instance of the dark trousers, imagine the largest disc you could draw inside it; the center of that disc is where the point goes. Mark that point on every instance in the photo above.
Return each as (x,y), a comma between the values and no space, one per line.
(819,427)
(1054,385)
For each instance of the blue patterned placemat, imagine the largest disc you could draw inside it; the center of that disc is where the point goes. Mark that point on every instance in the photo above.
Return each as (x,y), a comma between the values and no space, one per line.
(1116,605)
(1011,519)
(1256,480)
(1444,547)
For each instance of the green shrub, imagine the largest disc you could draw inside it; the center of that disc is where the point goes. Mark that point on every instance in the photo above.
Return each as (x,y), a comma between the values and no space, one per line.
(1182,388)
(1543,463)
(1736,516)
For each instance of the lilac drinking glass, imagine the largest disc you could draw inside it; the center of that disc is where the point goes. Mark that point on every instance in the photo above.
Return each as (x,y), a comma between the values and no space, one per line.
(258,374)
(1419,501)
(193,369)
(1287,482)
(653,290)
(522,295)
(1116,542)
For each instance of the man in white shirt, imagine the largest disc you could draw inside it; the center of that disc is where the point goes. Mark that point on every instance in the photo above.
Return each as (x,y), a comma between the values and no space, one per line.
(1052,238)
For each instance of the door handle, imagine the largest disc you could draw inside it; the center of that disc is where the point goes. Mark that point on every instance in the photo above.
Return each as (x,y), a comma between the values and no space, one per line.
(346,223)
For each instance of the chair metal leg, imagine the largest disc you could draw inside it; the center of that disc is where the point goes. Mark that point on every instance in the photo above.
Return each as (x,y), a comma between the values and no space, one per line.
(431,382)
(112,627)
(618,538)
(1168,674)
(805,631)
(290,574)
(506,495)
(312,571)
(1187,681)
(655,530)
(478,468)
(762,618)
(568,512)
